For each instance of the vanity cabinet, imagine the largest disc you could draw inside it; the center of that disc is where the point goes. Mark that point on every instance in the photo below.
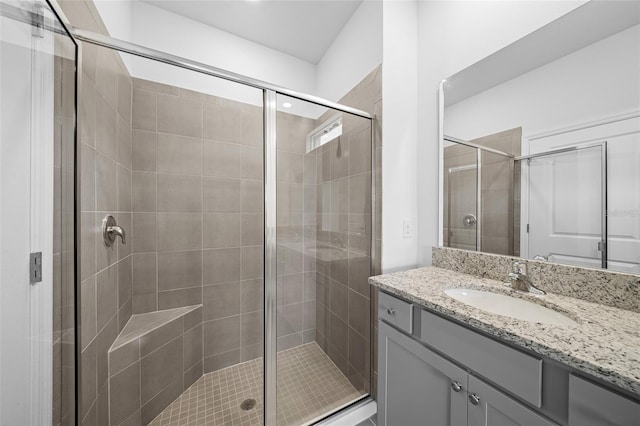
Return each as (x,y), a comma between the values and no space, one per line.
(416,386)
(435,371)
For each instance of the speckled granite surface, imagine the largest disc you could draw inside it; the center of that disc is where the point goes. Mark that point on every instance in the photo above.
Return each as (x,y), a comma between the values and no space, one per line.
(605,343)
(593,285)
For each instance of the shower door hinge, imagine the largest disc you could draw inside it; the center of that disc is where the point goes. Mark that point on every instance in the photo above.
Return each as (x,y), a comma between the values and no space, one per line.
(602,246)
(35,267)
(37,20)
(527,228)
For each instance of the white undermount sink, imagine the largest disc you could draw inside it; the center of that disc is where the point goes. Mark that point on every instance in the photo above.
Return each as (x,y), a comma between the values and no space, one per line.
(509,306)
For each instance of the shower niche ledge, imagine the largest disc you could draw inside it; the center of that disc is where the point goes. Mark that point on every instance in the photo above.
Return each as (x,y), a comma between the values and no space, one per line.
(155,358)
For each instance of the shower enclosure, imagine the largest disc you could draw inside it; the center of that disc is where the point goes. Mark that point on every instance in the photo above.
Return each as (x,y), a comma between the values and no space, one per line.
(249,247)
(224,237)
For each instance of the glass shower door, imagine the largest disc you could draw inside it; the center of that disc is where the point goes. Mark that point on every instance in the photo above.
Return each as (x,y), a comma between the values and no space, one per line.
(461,183)
(323,234)
(37,118)
(192,264)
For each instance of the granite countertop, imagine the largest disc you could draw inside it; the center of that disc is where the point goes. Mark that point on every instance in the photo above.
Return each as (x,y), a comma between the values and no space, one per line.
(605,343)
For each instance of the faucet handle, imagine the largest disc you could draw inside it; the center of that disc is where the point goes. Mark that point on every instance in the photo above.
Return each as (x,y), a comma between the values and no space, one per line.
(512,278)
(519,267)
(110,230)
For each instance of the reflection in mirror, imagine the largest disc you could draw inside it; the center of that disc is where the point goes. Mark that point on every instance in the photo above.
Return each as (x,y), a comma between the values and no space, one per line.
(479,192)
(460,196)
(541,144)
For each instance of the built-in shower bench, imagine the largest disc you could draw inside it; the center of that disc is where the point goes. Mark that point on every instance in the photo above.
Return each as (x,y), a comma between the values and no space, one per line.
(156,356)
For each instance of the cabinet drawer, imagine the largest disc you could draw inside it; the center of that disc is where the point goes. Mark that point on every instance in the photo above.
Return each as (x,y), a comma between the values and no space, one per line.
(591,404)
(515,371)
(395,311)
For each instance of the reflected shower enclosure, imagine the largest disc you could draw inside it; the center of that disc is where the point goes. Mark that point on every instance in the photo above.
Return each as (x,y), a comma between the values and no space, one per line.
(481,181)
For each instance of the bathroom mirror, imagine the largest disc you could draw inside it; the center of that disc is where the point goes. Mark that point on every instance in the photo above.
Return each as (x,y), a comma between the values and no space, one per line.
(540,144)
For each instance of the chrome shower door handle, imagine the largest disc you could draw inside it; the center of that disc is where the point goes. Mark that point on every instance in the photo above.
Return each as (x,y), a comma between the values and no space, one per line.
(110,230)
(469,220)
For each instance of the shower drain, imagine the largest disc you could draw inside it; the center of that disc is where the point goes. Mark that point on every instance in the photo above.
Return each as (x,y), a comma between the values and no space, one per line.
(248,404)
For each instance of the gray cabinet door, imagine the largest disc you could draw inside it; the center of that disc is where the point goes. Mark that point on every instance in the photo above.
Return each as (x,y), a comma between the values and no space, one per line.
(594,405)
(416,386)
(490,407)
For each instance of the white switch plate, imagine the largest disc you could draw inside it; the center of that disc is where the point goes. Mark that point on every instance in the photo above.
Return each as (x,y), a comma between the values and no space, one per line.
(407,228)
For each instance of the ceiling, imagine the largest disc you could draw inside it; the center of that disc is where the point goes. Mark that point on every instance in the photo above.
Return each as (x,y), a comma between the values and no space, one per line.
(301,28)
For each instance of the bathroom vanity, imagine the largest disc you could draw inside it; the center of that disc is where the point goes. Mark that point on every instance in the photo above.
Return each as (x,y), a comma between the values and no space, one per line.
(444,362)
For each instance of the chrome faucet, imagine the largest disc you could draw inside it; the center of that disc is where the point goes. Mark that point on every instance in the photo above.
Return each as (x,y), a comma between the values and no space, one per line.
(520,280)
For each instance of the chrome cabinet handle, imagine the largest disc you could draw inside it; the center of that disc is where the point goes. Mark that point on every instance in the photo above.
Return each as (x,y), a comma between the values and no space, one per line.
(474,399)
(456,386)
(391,311)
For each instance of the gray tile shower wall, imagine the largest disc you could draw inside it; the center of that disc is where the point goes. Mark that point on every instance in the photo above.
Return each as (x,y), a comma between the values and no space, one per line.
(198,218)
(197,214)
(343,295)
(593,285)
(106,289)
(499,189)
(104,118)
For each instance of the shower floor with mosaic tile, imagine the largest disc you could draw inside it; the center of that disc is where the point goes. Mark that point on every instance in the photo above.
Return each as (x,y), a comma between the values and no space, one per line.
(309,385)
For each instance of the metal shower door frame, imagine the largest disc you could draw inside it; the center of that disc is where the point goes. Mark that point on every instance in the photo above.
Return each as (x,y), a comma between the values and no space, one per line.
(270,93)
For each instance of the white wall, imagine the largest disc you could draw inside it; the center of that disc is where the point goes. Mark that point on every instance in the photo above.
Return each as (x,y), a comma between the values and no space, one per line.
(116,16)
(399,132)
(452,36)
(593,83)
(355,52)
(168,32)
(158,29)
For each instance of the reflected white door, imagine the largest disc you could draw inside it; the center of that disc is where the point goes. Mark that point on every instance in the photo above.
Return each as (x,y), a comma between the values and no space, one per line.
(565,207)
